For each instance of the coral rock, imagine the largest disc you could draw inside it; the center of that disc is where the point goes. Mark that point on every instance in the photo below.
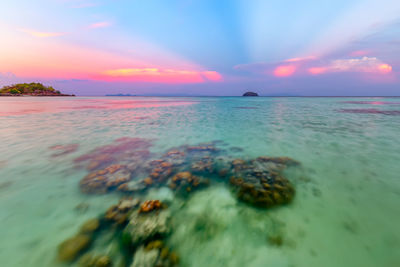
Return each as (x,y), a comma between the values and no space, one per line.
(103,180)
(90,226)
(72,247)
(150,205)
(145,226)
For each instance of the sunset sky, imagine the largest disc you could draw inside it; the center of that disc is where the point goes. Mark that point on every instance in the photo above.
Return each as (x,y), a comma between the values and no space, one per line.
(207,47)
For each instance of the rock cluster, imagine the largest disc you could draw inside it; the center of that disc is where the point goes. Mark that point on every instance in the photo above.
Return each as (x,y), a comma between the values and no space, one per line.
(145,226)
(106,179)
(260,182)
(89,260)
(72,247)
(154,254)
(186,182)
(119,213)
(132,152)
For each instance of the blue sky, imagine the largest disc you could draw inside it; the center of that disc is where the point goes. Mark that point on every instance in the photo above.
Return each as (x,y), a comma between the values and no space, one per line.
(154,47)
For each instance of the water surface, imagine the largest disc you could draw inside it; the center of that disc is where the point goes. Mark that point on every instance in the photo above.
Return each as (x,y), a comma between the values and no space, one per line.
(345,211)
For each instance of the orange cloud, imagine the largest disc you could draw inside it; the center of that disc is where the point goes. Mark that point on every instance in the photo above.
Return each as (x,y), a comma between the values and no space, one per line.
(284,70)
(158,75)
(385,68)
(41,34)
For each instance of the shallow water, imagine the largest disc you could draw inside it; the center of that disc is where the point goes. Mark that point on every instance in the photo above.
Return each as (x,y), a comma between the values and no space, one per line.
(345,211)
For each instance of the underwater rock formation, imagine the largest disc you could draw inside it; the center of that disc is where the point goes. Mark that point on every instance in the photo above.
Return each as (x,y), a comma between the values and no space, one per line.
(203,165)
(132,152)
(150,205)
(71,248)
(138,230)
(260,182)
(144,226)
(186,182)
(103,180)
(159,173)
(89,260)
(153,255)
(90,226)
(119,213)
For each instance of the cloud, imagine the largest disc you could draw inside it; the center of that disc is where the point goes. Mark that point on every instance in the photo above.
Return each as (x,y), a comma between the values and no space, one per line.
(159,75)
(364,64)
(101,24)
(359,53)
(315,66)
(40,34)
(285,70)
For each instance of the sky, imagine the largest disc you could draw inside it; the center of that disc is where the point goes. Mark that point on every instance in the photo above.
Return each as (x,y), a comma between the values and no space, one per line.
(203,47)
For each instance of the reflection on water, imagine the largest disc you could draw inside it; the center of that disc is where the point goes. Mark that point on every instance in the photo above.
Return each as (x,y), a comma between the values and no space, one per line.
(371,111)
(198,182)
(21,106)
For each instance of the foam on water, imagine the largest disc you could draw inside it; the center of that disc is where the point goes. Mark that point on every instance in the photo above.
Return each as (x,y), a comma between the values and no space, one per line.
(345,212)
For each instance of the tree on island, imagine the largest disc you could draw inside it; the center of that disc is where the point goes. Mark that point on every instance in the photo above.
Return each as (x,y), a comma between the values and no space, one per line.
(33,89)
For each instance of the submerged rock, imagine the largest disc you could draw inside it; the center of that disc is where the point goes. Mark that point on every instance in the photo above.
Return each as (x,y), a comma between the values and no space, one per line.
(119,213)
(131,151)
(90,226)
(146,226)
(204,165)
(150,205)
(185,182)
(89,260)
(260,182)
(103,180)
(153,255)
(70,249)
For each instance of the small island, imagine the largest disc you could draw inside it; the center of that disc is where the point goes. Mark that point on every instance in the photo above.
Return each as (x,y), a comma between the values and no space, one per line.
(30,89)
(120,95)
(250,94)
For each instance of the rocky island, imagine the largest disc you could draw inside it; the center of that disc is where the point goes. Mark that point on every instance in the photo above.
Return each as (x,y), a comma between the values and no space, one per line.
(30,89)
(250,94)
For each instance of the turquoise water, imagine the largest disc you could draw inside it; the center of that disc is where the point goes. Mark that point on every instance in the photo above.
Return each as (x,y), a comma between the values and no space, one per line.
(345,211)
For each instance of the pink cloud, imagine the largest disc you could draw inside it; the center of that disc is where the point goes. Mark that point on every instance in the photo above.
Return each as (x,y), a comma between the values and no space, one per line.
(317,70)
(284,70)
(298,59)
(212,76)
(101,24)
(359,53)
(364,64)
(158,75)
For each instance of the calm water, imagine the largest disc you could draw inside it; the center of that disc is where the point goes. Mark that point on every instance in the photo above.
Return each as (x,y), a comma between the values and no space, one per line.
(345,211)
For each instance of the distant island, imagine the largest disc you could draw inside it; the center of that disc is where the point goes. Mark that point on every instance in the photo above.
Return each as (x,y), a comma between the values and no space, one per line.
(30,89)
(120,95)
(250,94)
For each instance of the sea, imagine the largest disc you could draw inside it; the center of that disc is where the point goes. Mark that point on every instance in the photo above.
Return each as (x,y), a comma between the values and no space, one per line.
(345,210)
